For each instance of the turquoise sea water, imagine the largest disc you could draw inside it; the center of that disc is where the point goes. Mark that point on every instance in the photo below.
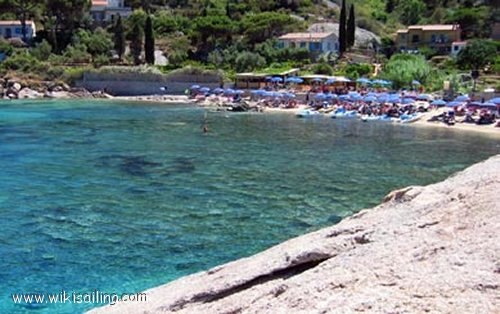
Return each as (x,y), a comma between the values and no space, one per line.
(123,197)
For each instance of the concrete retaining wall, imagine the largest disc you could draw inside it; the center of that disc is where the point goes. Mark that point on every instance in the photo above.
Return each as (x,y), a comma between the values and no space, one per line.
(130,84)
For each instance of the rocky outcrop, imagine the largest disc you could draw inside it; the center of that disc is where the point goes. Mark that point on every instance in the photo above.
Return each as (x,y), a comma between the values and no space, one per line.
(16,90)
(432,249)
(363,38)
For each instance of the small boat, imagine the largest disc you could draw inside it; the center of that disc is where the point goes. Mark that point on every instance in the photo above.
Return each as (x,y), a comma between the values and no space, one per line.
(366,118)
(345,114)
(409,118)
(307,113)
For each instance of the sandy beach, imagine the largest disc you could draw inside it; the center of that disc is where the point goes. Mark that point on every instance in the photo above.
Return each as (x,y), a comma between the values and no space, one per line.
(489,130)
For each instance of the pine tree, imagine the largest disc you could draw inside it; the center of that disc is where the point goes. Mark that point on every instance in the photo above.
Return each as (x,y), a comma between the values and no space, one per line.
(119,38)
(136,44)
(342,30)
(351,28)
(149,41)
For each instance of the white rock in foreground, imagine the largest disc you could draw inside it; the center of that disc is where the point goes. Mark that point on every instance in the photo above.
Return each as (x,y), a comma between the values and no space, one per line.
(433,249)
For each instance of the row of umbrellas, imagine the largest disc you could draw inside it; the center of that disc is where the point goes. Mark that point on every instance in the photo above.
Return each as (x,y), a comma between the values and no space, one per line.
(216,91)
(298,80)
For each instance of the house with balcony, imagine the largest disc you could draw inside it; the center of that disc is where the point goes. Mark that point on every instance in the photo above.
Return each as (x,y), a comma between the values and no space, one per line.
(316,43)
(436,37)
(106,11)
(13,29)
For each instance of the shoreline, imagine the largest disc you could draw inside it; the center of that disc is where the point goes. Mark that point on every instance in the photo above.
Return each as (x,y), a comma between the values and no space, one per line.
(487,130)
(424,247)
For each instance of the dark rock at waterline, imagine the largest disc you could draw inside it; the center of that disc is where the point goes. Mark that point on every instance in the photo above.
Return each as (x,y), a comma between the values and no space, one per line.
(334,219)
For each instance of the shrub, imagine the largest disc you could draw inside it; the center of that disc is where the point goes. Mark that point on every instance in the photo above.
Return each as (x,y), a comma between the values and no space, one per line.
(249,61)
(42,51)
(322,68)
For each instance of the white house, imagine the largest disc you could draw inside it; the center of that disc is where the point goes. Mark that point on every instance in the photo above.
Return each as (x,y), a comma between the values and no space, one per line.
(314,42)
(107,10)
(457,46)
(13,29)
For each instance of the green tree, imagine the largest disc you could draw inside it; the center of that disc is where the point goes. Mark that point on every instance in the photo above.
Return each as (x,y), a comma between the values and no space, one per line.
(136,37)
(210,32)
(410,11)
(119,38)
(477,54)
(472,21)
(351,28)
(322,68)
(42,51)
(149,42)
(390,5)
(249,61)
(261,26)
(342,30)
(65,16)
(402,69)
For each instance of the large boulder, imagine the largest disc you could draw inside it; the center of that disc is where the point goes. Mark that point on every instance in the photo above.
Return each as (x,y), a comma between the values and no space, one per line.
(432,249)
(27,93)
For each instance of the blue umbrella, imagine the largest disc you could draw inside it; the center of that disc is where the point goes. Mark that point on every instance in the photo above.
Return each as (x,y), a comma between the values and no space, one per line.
(384,82)
(344,97)
(239,92)
(276,79)
(495,100)
(258,92)
(195,87)
(454,104)
(424,96)
(218,91)
(268,94)
(269,78)
(330,81)
(204,89)
(370,99)
(320,96)
(363,80)
(294,79)
(289,95)
(438,102)
(415,82)
(331,96)
(407,101)
(462,98)
(229,91)
(488,105)
(317,79)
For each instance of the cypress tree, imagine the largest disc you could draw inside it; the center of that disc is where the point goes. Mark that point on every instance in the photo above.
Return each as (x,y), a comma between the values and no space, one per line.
(119,37)
(351,28)
(149,42)
(342,30)
(136,44)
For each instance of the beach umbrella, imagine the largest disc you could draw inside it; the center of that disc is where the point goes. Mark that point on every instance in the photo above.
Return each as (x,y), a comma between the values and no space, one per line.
(455,104)
(229,91)
(294,79)
(406,101)
(415,82)
(330,81)
(218,91)
(268,94)
(495,100)
(239,92)
(343,79)
(289,95)
(488,105)
(269,78)
(317,80)
(462,98)
(344,97)
(438,102)
(204,90)
(370,99)
(258,92)
(363,81)
(320,96)
(386,83)
(195,87)
(424,97)
(276,79)
(331,96)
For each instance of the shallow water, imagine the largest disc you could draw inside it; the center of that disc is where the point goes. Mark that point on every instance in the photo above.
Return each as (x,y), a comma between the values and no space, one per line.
(122,197)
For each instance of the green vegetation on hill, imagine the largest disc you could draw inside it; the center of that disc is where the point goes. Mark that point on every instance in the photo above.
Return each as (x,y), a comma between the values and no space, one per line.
(231,35)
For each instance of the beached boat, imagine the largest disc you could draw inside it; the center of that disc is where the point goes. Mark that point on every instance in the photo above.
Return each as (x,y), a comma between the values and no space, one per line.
(345,114)
(307,113)
(409,118)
